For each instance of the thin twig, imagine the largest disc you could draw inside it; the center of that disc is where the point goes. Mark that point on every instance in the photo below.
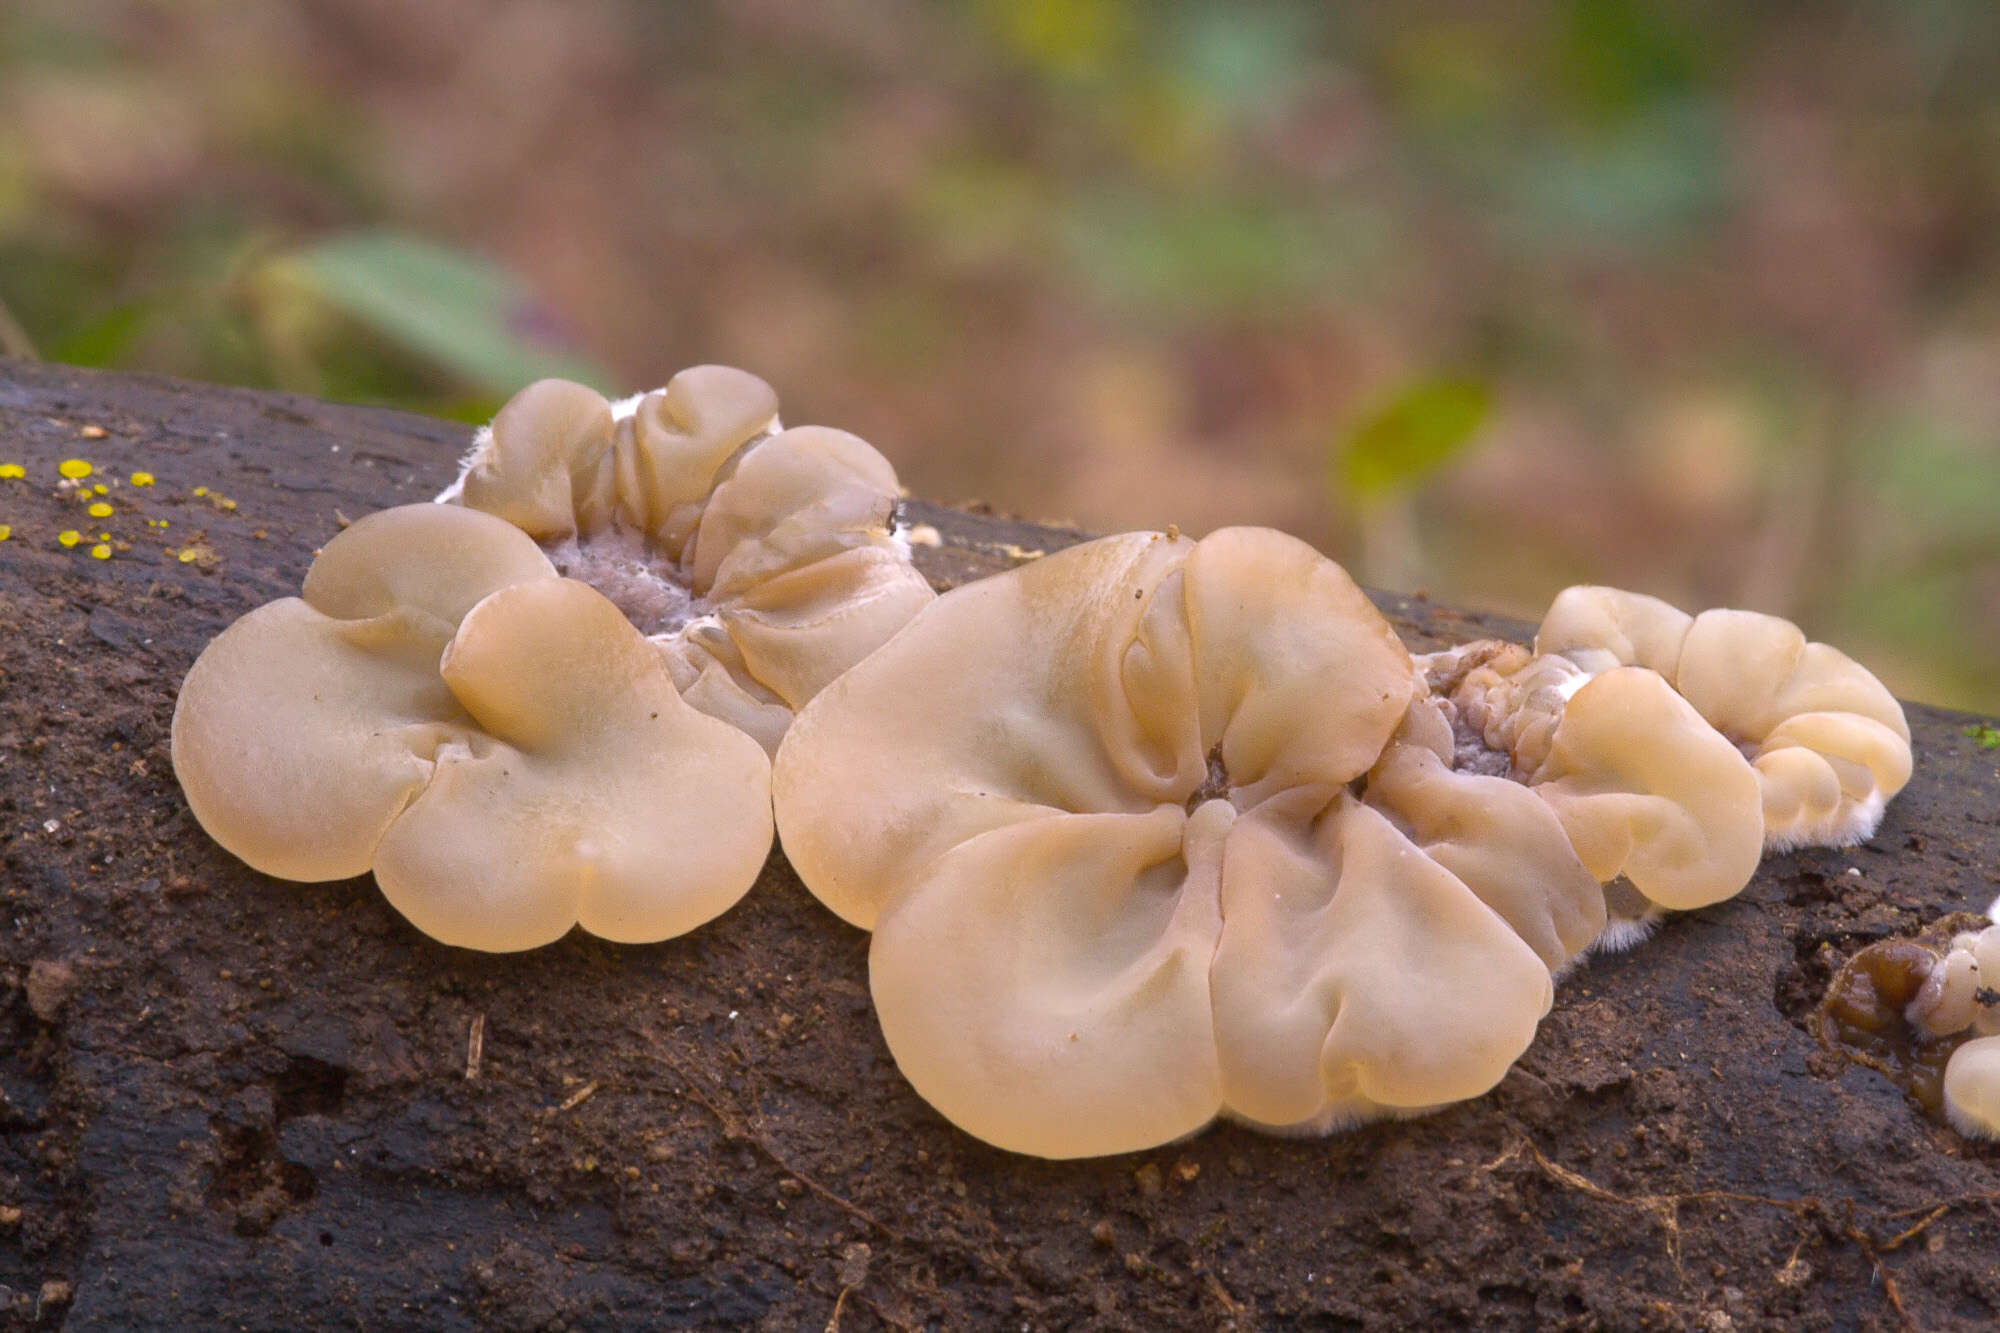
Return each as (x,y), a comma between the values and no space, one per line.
(839,1302)
(575,1099)
(1853,1232)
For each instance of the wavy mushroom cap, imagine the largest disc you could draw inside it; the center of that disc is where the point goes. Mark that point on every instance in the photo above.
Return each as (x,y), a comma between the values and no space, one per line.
(1096,811)
(1648,791)
(759,560)
(1829,742)
(497,743)
(1656,803)
(1496,835)
(1599,628)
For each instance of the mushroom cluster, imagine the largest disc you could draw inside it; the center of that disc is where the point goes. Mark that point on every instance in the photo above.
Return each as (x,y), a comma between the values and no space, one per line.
(1828,741)
(760,560)
(1751,738)
(1150,831)
(551,699)
(1960,995)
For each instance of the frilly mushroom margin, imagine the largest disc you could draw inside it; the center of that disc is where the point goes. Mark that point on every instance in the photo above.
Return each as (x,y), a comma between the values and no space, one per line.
(1121,880)
(504,751)
(762,561)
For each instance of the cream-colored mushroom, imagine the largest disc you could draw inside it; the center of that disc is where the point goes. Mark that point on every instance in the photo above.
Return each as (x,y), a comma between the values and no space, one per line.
(1830,744)
(1097,812)
(1599,628)
(760,561)
(1647,792)
(308,725)
(1504,842)
(497,743)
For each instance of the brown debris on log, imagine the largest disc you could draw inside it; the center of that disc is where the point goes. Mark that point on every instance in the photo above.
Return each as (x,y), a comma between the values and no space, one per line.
(227,1100)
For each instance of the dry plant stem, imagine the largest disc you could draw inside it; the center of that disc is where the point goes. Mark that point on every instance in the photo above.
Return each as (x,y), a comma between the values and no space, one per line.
(14,339)
(1789,544)
(475,1047)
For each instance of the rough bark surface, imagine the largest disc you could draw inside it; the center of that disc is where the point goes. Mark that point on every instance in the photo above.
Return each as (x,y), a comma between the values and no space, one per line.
(231,1101)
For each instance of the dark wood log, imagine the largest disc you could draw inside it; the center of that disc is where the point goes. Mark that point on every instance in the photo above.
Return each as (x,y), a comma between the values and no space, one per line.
(231,1101)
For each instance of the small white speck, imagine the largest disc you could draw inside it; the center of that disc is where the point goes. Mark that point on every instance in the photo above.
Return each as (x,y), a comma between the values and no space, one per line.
(51,825)
(732,1013)
(335,448)
(1854,871)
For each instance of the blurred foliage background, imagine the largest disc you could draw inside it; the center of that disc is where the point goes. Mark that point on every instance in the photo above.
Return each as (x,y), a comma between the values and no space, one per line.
(1694,297)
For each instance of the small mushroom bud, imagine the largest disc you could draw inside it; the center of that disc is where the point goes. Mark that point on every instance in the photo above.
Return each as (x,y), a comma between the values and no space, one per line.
(1972,1088)
(1948,1000)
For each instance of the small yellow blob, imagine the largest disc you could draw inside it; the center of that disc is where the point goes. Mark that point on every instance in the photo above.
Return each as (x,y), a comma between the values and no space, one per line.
(12,470)
(100,510)
(74,468)
(201,490)
(188,555)
(101,488)
(69,536)
(104,536)
(101,551)
(5,532)
(142,479)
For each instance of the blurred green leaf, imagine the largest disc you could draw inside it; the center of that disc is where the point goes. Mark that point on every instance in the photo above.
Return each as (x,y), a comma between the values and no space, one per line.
(1985,735)
(469,316)
(1406,441)
(103,341)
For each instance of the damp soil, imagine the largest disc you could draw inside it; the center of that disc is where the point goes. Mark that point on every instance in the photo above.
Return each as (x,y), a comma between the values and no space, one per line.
(231,1101)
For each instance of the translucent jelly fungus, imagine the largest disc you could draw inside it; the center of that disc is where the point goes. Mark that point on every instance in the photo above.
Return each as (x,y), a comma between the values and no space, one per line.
(1925,1012)
(1152,830)
(760,561)
(1960,994)
(497,743)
